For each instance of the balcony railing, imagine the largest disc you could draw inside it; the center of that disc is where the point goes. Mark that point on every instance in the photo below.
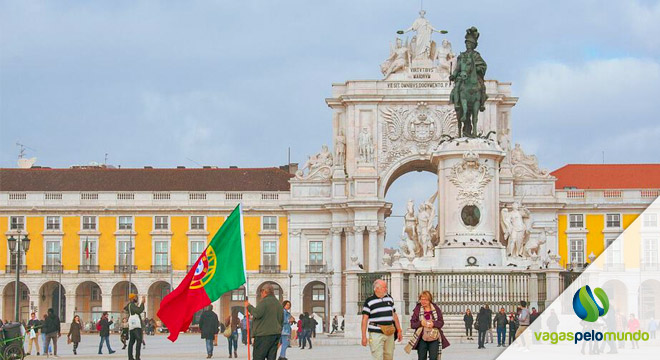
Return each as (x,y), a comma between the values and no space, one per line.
(269,269)
(51,269)
(125,269)
(88,269)
(315,268)
(161,269)
(12,269)
(650,266)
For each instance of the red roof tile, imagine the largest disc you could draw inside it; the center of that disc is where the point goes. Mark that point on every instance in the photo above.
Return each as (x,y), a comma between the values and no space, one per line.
(608,176)
(105,179)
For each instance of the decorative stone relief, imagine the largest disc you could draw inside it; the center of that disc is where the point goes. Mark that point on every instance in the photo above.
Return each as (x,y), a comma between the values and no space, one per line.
(340,149)
(408,131)
(366,146)
(419,236)
(318,166)
(470,177)
(526,166)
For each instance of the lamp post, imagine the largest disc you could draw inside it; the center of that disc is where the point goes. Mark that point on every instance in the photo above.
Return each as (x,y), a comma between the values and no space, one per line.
(59,290)
(18,246)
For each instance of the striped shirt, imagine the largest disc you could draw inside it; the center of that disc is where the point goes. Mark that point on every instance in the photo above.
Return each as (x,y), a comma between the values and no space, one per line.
(380,311)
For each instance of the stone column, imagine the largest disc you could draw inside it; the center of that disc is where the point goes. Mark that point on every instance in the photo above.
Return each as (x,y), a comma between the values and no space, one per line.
(396,291)
(373,248)
(294,241)
(381,248)
(335,302)
(533,290)
(359,244)
(106,302)
(350,247)
(552,285)
(70,310)
(352,319)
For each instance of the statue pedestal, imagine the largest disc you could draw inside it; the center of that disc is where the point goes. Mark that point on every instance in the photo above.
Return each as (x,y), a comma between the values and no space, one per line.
(468,205)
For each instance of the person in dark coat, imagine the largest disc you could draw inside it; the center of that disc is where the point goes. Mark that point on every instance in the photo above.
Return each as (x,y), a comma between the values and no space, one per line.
(74,333)
(52,330)
(135,335)
(427,316)
(105,333)
(468,320)
(513,327)
(208,326)
(500,322)
(267,325)
(483,323)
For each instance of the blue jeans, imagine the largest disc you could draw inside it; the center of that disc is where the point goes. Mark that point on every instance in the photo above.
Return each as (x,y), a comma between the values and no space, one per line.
(285,345)
(209,346)
(501,335)
(233,340)
(307,338)
(107,343)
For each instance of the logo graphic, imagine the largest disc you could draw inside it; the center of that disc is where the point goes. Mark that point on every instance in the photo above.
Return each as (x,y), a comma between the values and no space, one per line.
(585,305)
(205,269)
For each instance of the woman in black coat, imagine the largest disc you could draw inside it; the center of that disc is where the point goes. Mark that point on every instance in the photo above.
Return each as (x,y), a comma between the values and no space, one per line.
(74,333)
(483,323)
(468,320)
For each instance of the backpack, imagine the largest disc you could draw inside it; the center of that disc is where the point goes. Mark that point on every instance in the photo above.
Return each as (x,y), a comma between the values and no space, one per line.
(98,326)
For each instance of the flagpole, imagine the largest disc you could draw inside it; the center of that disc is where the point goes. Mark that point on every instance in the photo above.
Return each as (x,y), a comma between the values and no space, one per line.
(247,289)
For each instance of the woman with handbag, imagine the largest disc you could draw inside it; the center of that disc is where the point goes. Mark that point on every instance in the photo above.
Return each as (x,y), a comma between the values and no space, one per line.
(427,322)
(231,333)
(74,333)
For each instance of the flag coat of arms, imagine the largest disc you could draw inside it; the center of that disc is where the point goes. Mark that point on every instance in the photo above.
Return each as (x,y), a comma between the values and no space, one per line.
(219,269)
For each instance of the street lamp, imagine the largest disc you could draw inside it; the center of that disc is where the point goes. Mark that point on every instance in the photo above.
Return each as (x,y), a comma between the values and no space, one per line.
(59,290)
(18,246)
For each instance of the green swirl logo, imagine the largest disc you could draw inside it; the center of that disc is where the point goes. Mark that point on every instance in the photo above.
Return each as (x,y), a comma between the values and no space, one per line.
(585,306)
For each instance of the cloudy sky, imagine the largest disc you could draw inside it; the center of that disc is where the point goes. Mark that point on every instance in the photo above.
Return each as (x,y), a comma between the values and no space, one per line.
(238,82)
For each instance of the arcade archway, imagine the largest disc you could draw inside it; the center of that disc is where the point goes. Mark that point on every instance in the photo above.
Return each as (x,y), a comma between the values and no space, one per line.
(9,301)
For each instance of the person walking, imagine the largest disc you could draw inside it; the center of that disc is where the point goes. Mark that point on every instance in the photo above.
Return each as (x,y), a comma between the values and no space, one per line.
(653,327)
(468,320)
(232,322)
(427,321)
(52,330)
(47,349)
(208,326)
(104,333)
(301,334)
(134,325)
(267,327)
(123,332)
(523,318)
(489,333)
(513,327)
(500,323)
(33,329)
(633,326)
(286,329)
(74,333)
(313,324)
(307,325)
(244,330)
(335,325)
(553,321)
(379,318)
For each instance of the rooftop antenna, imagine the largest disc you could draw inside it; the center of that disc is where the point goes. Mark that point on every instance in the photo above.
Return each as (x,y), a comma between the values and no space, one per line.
(289,155)
(193,161)
(105,160)
(21,152)
(603,156)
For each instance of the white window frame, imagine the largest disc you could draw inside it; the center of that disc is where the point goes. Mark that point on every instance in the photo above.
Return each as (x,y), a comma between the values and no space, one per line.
(169,250)
(570,222)
(571,251)
(82,222)
(263,252)
(263,222)
(238,292)
(130,242)
(192,240)
(650,256)
(132,218)
(191,223)
(315,295)
(167,219)
(48,223)
(22,223)
(309,252)
(614,251)
(92,240)
(607,221)
(52,239)
(650,220)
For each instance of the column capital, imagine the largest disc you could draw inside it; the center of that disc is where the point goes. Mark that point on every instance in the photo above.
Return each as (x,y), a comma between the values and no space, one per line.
(295,232)
(357,229)
(336,230)
(373,229)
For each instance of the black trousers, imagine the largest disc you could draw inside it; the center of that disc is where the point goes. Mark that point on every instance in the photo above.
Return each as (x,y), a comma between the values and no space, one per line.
(265,347)
(468,329)
(482,337)
(428,350)
(135,337)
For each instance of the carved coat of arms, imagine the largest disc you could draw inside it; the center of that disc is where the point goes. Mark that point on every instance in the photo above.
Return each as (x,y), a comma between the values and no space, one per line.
(470,177)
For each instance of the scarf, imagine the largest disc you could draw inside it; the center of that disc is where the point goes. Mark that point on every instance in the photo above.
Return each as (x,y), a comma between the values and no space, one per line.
(417,336)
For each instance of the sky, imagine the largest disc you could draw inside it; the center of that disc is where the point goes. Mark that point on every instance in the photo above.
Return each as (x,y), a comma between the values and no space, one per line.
(167,83)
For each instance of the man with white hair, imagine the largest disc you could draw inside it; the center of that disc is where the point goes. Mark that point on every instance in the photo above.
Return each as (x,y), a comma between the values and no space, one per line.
(379,319)
(267,326)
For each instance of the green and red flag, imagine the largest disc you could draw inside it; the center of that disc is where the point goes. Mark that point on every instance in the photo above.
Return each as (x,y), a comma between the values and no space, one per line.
(219,269)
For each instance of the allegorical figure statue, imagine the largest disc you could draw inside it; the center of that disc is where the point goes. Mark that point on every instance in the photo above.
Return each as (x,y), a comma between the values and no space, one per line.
(515,229)
(340,148)
(366,146)
(423,48)
(469,92)
(398,59)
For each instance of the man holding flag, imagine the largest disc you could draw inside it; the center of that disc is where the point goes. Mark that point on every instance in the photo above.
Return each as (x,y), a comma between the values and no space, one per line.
(219,269)
(267,326)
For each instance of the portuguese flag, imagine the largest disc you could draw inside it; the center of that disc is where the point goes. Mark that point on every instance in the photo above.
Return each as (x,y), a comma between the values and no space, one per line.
(219,269)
